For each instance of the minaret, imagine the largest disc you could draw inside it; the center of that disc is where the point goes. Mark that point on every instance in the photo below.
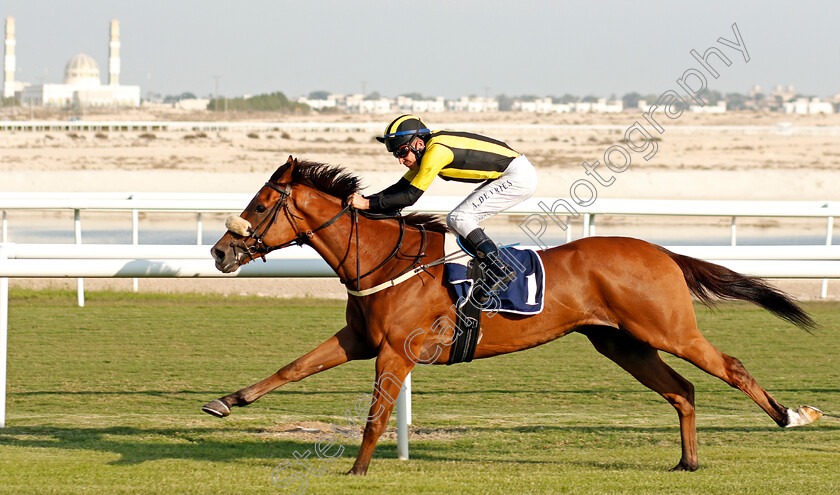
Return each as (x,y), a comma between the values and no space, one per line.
(9,66)
(114,54)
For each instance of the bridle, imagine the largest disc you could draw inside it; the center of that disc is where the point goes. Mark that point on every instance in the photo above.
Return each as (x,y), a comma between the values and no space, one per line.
(259,249)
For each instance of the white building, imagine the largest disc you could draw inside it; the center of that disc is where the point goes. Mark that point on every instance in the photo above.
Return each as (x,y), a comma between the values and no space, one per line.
(602,106)
(330,103)
(803,106)
(82,85)
(473,104)
(359,103)
(410,105)
(9,60)
(192,103)
(542,105)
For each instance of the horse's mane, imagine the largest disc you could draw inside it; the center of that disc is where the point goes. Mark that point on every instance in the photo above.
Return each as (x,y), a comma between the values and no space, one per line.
(340,183)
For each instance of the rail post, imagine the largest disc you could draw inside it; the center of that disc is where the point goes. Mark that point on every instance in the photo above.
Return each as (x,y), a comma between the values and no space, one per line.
(4,332)
(732,230)
(80,283)
(403,411)
(829,233)
(135,240)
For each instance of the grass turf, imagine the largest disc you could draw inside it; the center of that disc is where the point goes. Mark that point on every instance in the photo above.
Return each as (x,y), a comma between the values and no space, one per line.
(106,398)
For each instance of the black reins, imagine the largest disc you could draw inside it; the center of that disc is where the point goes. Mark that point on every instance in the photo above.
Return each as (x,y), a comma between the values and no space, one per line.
(259,249)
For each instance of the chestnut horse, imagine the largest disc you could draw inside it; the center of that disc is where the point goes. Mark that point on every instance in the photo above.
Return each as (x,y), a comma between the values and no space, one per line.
(629,297)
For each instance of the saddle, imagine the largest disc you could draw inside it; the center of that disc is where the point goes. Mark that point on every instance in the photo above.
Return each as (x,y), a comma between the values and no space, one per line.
(524,296)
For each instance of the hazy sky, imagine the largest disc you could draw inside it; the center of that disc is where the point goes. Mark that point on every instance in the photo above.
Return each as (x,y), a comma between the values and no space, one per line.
(446,48)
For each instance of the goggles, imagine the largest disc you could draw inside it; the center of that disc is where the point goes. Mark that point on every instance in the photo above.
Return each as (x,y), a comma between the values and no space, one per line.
(402,151)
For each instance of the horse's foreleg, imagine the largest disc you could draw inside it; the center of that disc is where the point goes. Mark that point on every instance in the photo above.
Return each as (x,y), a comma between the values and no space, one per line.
(391,370)
(644,363)
(344,346)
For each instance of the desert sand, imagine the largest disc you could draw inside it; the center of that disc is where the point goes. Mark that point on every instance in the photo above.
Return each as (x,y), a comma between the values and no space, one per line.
(733,156)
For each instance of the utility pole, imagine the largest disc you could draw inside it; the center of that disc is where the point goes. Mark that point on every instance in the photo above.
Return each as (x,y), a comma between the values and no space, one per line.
(364,85)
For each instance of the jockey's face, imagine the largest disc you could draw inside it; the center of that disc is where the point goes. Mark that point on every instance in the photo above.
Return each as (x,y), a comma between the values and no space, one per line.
(410,160)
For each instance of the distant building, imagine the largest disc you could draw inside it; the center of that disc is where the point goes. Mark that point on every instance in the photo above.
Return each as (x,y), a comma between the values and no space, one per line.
(9,60)
(192,104)
(328,103)
(784,94)
(604,106)
(82,85)
(804,106)
(720,107)
(410,105)
(542,105)
(473,104)
(360,103)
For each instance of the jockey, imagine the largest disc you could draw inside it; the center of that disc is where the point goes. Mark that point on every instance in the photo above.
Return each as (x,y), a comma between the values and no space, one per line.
(505,179)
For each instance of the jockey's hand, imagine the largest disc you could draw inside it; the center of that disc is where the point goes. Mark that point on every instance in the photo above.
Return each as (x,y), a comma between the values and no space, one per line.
(359,202)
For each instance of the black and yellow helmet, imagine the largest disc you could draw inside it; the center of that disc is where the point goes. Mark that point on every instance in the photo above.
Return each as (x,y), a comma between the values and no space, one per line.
(401,131)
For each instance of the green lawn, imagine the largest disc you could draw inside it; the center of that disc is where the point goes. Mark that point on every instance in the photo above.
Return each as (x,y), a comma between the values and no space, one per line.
(106,399)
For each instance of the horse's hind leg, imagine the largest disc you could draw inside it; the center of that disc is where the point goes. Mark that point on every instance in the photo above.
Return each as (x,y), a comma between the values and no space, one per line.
(710,359)
(644,363)
(344,346)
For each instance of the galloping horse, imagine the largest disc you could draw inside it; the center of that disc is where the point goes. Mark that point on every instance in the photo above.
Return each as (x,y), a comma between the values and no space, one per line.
(629,297)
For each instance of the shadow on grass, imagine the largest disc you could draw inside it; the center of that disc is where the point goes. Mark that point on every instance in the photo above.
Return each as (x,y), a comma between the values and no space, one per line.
(137,445)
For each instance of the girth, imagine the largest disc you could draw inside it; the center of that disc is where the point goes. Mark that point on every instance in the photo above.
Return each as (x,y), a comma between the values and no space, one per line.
(468,322)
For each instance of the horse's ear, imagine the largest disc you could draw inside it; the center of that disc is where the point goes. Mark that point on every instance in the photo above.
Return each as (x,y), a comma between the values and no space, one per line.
(292,163)
(286,176)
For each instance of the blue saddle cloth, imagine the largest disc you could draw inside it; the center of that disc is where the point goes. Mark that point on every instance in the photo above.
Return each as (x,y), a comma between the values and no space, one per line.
(523,295)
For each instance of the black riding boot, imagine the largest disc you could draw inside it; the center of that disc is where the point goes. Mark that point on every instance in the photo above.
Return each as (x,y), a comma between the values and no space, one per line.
(498,273)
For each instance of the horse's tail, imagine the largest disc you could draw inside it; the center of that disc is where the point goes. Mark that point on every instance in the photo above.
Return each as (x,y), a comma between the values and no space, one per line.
(706,280)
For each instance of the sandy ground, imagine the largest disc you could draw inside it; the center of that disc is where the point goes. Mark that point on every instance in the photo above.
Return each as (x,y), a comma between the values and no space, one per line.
(735,156)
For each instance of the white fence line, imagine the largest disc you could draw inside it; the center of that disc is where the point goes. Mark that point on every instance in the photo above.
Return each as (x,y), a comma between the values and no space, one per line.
(188,261)
(540,213)
(230,202)
(784,129)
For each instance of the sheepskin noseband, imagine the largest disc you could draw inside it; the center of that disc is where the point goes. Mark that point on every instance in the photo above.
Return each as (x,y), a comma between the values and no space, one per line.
(238,225)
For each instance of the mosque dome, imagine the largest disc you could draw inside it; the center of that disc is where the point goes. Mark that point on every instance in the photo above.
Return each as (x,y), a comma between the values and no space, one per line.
(82,71)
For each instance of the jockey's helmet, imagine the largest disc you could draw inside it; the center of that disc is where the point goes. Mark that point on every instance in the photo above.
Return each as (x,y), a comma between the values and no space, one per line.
(401,131)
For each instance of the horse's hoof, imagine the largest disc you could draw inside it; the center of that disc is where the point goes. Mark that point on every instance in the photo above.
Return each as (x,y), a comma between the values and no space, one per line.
(804,415)
(216,408)
(682,466)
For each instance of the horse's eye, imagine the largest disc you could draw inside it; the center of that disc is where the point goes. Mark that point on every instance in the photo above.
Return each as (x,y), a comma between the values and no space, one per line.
(260,209)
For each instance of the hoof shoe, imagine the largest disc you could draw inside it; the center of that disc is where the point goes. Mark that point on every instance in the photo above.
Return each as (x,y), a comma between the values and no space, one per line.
(216,408)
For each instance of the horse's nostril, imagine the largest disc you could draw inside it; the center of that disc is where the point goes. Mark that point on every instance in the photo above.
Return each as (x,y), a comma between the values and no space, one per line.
(218,254)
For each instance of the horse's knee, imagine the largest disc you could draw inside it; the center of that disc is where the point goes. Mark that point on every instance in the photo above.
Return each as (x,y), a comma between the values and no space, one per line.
(683,403)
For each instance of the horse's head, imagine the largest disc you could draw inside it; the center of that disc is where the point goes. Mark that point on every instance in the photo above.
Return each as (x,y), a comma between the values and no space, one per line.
(266,224)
